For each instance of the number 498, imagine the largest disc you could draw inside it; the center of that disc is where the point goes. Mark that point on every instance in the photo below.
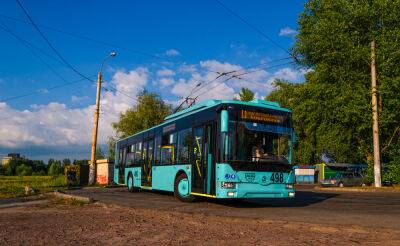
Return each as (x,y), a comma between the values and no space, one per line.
(276,178)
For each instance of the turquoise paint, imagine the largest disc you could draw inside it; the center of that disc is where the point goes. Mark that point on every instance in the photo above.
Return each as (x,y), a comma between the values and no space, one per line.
(251,184)
(224,120)
(183,187)
(209,159)
(163,177)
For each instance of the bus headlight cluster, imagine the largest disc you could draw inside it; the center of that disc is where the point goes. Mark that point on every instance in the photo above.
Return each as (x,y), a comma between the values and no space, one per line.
(228,185)
(289,186)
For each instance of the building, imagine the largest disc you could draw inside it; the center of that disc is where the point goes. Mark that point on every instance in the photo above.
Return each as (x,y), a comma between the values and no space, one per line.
(7,159)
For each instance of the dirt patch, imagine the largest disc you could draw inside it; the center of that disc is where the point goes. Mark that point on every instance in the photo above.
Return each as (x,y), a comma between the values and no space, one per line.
(67,224)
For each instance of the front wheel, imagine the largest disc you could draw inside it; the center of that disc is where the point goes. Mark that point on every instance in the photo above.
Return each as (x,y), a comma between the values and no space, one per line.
(182,188)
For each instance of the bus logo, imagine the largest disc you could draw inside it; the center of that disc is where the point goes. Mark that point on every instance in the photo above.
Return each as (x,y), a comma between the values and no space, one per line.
(250,176)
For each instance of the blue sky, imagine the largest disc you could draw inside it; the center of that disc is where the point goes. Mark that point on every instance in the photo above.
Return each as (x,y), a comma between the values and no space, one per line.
(191,38)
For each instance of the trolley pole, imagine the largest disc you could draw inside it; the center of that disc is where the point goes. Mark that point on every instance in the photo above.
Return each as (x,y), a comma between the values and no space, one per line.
(375,124)
(92,170)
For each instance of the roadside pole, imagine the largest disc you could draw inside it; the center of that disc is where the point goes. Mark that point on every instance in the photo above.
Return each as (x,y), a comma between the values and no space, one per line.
(92,171)
(375,124)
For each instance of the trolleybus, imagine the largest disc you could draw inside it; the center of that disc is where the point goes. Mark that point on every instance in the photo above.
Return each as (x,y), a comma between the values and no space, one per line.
(216,148)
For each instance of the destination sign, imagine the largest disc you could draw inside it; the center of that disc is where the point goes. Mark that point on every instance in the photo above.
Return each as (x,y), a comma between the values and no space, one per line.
(260,116)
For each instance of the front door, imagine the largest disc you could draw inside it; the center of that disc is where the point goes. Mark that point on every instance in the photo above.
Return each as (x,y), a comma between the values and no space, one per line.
(202,159)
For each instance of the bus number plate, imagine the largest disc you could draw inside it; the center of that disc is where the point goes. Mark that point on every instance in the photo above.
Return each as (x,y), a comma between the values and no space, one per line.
(276,178)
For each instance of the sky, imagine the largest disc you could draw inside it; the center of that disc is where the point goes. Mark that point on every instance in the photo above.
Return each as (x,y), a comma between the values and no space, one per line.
(165,47)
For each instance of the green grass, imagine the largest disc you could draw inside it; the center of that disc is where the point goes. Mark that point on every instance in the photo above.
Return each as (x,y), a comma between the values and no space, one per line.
(14,186)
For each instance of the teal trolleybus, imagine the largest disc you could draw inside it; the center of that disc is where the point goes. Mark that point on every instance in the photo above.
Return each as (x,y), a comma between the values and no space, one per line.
(217,148)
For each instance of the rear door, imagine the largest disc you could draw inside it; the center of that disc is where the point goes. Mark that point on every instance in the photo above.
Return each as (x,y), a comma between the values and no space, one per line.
(147,162)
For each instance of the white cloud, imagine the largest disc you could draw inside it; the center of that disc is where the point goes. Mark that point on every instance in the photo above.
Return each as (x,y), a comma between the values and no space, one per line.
(55,124)
(288,32)
(164,82)
(77,99)
(165,72)
(172,52)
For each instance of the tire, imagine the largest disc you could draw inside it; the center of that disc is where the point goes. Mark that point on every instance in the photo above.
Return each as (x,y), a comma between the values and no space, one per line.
(130,184)
(341,185)
(182,188)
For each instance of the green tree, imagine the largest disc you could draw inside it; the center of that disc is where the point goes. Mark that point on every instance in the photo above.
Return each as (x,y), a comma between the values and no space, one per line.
(99,154)
(111,148)
(332,109)
(55,168)
(246,95)
(149,111)
(24,170)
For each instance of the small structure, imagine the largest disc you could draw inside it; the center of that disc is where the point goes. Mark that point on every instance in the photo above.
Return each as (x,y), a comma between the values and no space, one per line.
(7,159)
(104,172)
(304,174)
(329,170)
(77,175)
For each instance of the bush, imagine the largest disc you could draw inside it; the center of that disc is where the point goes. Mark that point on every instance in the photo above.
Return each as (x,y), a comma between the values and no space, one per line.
(24,170)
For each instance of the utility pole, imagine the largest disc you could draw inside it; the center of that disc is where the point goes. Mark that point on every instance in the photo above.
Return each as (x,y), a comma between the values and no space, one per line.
(92,170)
(375,124)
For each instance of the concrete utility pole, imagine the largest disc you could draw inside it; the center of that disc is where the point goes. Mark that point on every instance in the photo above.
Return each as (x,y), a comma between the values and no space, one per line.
(375,124)
(92,171)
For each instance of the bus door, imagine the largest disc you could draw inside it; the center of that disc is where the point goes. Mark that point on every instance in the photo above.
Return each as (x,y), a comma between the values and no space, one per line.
(147,163)
(121,166)
(202,164)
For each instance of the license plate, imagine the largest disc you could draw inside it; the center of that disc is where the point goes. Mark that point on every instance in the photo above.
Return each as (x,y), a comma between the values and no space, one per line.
(276,178)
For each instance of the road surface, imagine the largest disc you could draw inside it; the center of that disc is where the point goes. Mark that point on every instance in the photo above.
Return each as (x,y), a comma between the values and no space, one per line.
(369,209)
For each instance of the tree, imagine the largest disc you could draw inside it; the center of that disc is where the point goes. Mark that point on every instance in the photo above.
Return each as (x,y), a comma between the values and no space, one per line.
(111,148)
(332,109)
(246,95)
(99,154)
(55,168)
(149,111)
(24,170)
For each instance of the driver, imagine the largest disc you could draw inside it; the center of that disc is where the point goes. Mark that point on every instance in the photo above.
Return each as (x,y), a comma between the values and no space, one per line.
(257,152)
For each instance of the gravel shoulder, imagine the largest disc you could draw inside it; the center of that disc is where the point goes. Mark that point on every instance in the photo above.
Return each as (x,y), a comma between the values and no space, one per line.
(58,223)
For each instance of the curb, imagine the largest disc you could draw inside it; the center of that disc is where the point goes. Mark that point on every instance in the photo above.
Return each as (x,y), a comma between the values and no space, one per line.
(72,197)
(356,189)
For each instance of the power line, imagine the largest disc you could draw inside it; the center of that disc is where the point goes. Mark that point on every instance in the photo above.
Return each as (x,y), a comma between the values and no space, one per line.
(238,77)
(256,29)
(49,43)
(104,43)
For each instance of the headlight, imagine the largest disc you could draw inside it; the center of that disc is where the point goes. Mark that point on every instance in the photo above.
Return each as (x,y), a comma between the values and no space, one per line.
(289,186)
(228,185)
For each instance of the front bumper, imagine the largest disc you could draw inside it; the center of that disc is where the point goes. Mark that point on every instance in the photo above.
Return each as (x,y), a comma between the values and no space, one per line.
(252,190)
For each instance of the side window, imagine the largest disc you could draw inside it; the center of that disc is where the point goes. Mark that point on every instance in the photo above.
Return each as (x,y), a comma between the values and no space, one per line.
(168,148)
(184,143)
(157,152)
(130,156)
(124,156)
(120,156)
(144,153)
(138,153)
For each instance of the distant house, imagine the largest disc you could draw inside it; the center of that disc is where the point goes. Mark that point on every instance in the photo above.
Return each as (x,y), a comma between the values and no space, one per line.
(7,159)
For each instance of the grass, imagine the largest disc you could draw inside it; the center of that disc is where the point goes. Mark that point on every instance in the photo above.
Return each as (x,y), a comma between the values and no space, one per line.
(14,186)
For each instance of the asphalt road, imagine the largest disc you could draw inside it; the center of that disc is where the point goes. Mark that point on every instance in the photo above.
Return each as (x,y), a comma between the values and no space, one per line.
(370,209)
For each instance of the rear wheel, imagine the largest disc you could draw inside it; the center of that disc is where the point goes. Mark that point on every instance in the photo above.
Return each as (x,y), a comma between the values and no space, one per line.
(182,188)
(130,183)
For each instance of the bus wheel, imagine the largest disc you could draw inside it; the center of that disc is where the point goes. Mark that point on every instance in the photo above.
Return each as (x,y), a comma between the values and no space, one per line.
(129,183)
(181,188)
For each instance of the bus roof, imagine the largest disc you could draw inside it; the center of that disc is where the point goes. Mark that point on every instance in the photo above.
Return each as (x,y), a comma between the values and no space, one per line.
(211,103)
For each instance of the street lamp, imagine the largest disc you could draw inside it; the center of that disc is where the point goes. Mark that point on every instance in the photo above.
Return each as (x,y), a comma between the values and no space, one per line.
(92,171)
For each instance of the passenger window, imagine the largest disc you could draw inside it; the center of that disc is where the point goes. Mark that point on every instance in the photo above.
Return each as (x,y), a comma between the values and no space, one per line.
(130,157)
(168,149)
(151,151)
(184,144)
(138,154)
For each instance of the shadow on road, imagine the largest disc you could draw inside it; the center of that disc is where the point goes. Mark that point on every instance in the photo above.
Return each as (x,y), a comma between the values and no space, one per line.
(302,199)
